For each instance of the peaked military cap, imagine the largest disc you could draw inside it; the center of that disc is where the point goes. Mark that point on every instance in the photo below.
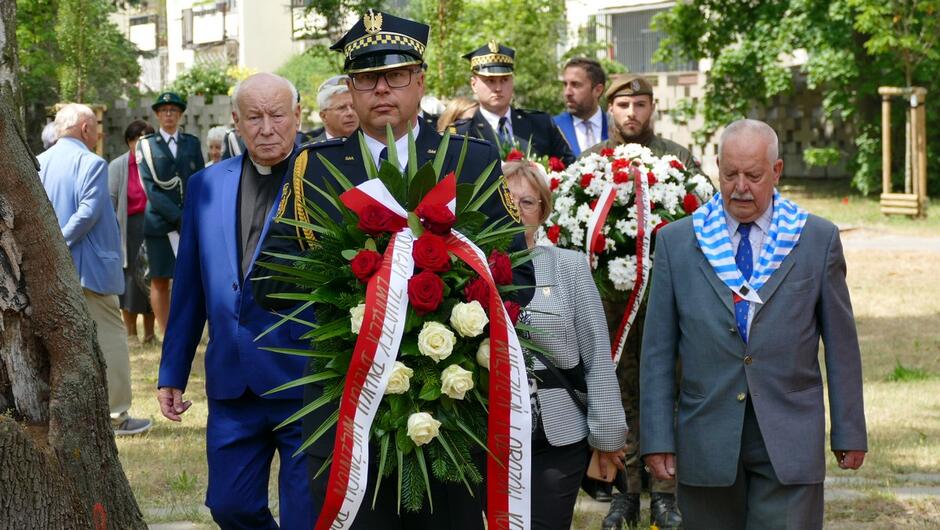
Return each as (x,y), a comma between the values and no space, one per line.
(169,98)
(628,85)
(379,41)
(492,59)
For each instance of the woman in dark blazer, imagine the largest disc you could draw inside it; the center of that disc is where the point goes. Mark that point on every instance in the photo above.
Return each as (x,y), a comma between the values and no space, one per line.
(130,201)
(567,310)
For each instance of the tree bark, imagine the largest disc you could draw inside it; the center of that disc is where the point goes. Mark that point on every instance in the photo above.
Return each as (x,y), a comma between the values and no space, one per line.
(58,461)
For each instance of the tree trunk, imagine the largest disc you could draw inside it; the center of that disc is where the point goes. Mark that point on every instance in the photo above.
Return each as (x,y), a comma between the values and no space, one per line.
(58,461)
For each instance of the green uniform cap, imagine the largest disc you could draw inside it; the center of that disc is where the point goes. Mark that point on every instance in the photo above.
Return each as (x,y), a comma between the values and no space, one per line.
(628,85)
(169,98)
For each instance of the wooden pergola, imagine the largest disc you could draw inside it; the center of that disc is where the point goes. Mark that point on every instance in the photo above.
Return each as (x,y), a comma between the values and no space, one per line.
(912,201)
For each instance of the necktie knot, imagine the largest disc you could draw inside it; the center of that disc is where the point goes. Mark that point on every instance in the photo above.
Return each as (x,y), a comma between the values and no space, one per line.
(745,229)
(383,154)
(172,140)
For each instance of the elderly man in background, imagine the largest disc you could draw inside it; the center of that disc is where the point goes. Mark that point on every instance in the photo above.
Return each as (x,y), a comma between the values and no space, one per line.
(336,109)
(742,291)
(216,260)
(76,181)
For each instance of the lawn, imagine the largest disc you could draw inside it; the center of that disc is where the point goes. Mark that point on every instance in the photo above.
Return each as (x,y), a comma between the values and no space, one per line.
(897,306)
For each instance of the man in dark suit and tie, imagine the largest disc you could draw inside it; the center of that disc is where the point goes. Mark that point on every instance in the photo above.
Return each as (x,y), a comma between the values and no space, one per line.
(584,122)
(496,120)
(742,291)
(229,209)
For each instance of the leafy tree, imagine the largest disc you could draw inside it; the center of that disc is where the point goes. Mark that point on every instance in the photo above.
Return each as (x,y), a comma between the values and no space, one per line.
(307,71)
(853,46)
(203,79)
(328,21)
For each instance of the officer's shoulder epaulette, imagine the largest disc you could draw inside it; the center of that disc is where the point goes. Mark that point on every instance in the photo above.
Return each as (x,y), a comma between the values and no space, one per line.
(533,112)
(193,136)
(332,142)
(456,136)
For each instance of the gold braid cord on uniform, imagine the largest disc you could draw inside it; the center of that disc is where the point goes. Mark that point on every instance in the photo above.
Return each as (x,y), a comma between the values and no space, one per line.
(300,212)
(508,202)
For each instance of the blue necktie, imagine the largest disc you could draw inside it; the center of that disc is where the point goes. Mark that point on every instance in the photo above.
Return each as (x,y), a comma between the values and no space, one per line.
(504,135)
(745,261)
(383,154)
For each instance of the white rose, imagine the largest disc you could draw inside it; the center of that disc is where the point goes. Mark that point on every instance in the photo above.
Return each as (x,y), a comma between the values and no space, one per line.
(455,381)
(356,315)
(422,427)
(400,380)
(436,341)
(483,354)
(468,319)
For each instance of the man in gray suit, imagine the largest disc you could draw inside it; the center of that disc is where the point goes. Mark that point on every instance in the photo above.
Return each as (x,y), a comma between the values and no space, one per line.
(741,293)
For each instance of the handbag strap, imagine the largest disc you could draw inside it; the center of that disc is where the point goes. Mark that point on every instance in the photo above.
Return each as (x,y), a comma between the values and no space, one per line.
(562,379)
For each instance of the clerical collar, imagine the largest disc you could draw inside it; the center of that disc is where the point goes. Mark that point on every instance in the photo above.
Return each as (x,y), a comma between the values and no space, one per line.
(401,146)
(280,167)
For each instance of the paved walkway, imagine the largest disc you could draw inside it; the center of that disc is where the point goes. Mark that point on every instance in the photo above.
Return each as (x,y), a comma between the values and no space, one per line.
(869,239)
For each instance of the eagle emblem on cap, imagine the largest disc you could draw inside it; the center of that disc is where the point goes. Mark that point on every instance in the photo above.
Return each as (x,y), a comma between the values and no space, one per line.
(372,21)
(166,97)
(494,47)
(635,85)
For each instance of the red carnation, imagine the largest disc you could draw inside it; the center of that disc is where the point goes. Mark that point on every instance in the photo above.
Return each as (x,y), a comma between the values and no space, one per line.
(515,154)
(377,219)
(607,152)
(621,177)
(593,204)
(477,289)
(436,217)
(586,179)
(677,165)
(513,309)
(555,164)
(425,292)
(619,164)
(651,178)
(500,267)
(553,184)
(652,206)
(365,264)
(553,232)
(599,245)
(690,203)
(430,253)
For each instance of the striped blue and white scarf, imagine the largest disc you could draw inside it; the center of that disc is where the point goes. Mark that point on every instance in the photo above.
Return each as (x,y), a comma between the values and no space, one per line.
(711,231)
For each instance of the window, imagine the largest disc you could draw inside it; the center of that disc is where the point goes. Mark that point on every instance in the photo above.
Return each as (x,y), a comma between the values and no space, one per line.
(634,43)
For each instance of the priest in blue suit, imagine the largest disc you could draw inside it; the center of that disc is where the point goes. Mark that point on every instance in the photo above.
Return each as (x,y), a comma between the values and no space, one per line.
(229,208)
(583,123)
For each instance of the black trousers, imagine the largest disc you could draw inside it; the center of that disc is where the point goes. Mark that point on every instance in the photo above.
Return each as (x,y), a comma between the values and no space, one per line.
(556,480)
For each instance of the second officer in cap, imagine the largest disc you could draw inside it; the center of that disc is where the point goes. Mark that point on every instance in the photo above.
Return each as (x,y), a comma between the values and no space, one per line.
(165,159)
(496,120)
(384,62)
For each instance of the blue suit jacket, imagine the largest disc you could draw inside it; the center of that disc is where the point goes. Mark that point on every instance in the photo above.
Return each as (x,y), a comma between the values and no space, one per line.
(76,181)
(208,283)
(565,122)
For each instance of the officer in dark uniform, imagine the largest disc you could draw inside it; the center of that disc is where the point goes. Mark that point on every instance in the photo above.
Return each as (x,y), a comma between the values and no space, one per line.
(165,160)
(631,108)
(496,120)
(384,60)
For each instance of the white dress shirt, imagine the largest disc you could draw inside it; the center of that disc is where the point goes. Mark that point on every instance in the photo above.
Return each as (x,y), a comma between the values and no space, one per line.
(401,146)
(759,229)
(172,145)
(596,122)
(493,119)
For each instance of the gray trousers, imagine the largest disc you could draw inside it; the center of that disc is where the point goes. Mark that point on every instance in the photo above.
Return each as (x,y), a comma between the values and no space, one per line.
(756,500)
(112,338)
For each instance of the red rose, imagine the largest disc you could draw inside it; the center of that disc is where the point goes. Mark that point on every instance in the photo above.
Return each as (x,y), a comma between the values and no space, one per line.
(377,219)
(553,184)
(555,164)
(651,178)
(500,267)
(586,179)
(365,264)
(436,218)
(553,232)
(660,225)
(515,154)
(599,245)
(607,152)
(430,253)
(619,164)
(513,309)
(690,203)
(425,292)
(477,289)
(620,177)
(676,164)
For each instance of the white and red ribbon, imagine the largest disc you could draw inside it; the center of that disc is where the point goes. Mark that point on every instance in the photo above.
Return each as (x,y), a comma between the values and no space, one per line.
(509,428)
(595,224)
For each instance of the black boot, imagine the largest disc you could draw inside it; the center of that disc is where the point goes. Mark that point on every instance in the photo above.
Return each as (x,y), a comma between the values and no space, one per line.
(664,513)
(625,508)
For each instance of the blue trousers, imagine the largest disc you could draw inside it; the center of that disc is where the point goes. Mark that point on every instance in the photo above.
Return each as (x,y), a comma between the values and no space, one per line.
(240,444)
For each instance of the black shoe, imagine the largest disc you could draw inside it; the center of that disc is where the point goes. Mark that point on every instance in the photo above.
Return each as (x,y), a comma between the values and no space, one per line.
(625,508)
(664,514)
(599,491)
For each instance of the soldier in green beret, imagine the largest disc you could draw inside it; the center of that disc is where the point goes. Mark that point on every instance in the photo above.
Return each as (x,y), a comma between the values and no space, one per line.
(166,159)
